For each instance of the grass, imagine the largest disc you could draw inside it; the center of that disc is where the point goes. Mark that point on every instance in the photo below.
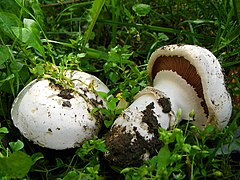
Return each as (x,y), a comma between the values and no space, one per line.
(113,39)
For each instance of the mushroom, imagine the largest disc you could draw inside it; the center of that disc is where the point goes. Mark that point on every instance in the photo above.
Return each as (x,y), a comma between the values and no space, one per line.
(192,78)
(59,118)
(184,77)
(133,138)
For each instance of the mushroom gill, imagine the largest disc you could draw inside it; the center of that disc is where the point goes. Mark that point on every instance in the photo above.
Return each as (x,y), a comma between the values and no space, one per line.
(183,68)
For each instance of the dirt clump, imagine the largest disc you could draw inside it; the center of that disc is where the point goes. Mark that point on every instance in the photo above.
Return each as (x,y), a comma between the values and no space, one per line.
(66,94)
(131,148)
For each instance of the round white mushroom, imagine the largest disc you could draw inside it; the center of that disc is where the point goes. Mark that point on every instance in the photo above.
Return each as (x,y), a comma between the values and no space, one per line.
(58,118)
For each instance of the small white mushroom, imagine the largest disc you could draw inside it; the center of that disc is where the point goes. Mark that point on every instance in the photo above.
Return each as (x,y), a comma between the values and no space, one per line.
(58,118)
(185,77)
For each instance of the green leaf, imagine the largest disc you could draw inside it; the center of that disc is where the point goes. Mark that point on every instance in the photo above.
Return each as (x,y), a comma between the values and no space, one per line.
(38,14)
(103,95)
(4,130)
(196,147)
(108,123)
(72,175)
(163,157)
(112,103)
(38,69)
(141,9)
(16,67)
(7,20)
(16,146)
(209,129)
(4,54)
(114,77)
(17,165)
(11,76)
(23,34)
(162,37)
(59,162)
(36,156)
(89,146)
(94,13)
(30,37)
(32,26)
(166,136)
(186,148)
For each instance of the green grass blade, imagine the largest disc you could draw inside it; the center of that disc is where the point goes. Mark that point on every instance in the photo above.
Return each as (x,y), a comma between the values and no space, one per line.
(236,6)
(153,28)
(115,17)
(94,13)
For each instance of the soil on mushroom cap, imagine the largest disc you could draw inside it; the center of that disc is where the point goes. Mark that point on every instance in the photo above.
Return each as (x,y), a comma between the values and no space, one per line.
(123,151)
(66,94)
(66,104)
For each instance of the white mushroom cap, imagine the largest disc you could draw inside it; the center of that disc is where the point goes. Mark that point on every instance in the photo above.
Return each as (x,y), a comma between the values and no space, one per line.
(202,70)
(56,118)
(133,138)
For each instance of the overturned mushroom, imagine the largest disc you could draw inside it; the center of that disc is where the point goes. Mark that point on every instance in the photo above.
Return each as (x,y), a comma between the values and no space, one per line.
(185,77)
(59,118)
(192,78)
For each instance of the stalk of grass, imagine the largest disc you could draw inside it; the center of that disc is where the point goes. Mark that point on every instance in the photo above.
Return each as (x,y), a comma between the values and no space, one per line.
(61,14)
(115,17)
(153,28)
(231,29)
(39,25)
(94,13)
(236,6)
(229,64)
(94,53)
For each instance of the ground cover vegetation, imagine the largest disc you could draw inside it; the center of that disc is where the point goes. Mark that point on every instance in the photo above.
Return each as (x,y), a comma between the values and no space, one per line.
(113,40)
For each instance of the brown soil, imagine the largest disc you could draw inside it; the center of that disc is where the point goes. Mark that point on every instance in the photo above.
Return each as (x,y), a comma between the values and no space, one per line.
(123,151)
(166,104)
(66,94)
(66,104)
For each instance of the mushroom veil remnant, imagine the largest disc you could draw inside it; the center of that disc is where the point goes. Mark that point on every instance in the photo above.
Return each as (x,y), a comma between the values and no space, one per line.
(58,118)
(185,77)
